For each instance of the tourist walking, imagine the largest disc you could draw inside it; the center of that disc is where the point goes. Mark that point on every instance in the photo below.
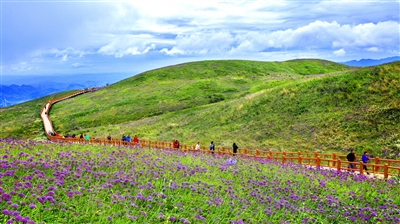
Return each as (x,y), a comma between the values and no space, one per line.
(235,148)
(109,137)
(135,140)
(87,137)
(176,144)
(212,147)
(351,157)
(365,159)
(197,148)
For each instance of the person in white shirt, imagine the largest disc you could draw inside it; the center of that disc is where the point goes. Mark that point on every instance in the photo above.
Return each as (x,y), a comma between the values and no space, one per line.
(197,146)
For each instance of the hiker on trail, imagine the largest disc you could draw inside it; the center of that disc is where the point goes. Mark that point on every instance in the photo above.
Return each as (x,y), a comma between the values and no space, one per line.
(128,138)
(176,144)
(81,136)
(135,140)
(109,137)
(197,146)
(365,159)
(212,147)
(73,136)
(351,157)
(123,138)
(87,137)
(235,148)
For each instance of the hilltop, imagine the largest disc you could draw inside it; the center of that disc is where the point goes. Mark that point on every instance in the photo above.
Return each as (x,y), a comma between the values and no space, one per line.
(292,105)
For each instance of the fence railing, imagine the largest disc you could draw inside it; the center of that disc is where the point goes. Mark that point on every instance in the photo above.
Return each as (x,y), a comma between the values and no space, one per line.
(377,165)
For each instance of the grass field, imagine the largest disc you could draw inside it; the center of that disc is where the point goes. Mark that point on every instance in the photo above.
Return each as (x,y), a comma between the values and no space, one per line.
(301,105)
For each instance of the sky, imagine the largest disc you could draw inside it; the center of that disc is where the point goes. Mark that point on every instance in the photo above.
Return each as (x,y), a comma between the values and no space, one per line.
(81,37)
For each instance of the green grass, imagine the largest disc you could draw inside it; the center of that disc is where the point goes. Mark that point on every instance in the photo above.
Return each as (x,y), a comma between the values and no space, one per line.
(311,105)
(23,121)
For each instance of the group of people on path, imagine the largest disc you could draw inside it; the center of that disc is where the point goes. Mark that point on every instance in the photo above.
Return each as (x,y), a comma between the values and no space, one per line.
(351,157)
(126,138)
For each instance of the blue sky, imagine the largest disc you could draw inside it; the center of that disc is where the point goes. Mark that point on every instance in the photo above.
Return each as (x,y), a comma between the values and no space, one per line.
(72,37)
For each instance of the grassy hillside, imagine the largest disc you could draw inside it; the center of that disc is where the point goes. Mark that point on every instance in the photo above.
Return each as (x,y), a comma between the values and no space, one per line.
(352,109)
(293,105)
(23,120)
(180,87)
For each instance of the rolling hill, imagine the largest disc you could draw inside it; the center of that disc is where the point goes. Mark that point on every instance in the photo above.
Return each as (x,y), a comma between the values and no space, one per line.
(292,105)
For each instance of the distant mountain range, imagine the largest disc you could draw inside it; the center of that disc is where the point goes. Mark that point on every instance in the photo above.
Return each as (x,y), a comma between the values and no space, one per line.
(15,94)
(370,62)
(19,89)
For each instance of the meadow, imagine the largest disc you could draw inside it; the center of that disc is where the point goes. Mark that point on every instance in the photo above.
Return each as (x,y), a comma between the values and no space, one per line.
(279,110)
(298,105)
(46,182)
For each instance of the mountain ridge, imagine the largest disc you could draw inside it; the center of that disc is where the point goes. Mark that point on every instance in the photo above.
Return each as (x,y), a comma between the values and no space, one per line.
(371,62)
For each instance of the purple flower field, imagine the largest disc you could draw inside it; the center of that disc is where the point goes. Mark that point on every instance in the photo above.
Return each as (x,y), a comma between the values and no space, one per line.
(45,182)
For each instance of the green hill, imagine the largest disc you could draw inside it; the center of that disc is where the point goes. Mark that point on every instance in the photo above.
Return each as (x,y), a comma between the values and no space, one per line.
(23,120)
(292,105)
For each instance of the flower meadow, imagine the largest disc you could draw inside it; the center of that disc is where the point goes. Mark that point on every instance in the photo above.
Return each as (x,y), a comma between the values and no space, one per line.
(47,182)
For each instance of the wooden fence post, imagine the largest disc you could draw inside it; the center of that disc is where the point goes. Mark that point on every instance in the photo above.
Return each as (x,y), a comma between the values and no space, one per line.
(386,171)
(317,161)
(245,151)
(283,159)
(334,159)
(376,168)
(269,154)
(300,160)
(361,168)
(257,152)
(339,165)
(315,154)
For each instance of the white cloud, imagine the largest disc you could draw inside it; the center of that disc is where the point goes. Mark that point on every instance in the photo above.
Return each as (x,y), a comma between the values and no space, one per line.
(79,65)
(373,49)
(76,34)
(320,35)
(128,45)
(340,52)
(202,43)
(21,67)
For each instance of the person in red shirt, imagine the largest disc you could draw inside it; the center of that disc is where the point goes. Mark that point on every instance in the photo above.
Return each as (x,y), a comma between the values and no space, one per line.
(135,140)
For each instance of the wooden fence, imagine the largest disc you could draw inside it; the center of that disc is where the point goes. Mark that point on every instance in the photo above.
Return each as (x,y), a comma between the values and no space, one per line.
(385,167)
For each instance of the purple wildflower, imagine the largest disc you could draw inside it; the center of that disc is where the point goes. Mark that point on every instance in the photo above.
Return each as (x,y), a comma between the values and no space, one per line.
(6,212)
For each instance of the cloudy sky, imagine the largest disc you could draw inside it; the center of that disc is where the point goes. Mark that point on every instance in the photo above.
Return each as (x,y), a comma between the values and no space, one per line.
(73,37)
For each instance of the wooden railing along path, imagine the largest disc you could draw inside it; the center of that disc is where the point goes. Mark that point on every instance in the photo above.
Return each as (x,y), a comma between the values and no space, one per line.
(377,165)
